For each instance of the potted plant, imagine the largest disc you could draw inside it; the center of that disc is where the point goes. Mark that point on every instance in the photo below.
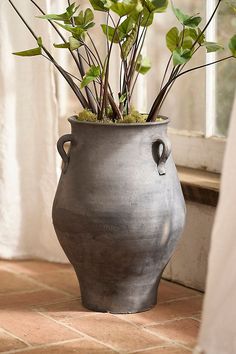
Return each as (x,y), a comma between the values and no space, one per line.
(119,210)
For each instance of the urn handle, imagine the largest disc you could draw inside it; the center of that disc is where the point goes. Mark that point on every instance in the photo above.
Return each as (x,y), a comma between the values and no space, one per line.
(162,158)
(60,147)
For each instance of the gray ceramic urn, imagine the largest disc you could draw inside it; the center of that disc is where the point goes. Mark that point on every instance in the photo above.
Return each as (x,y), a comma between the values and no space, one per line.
(118,211)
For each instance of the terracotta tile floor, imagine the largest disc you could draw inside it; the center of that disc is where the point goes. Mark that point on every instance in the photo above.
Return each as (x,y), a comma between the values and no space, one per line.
(41,312)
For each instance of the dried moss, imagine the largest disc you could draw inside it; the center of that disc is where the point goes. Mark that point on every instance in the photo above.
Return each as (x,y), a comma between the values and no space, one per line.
(133,117)
(87,116)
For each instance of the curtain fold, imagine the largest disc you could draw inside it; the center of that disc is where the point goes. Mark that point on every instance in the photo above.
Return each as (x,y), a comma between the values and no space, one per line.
(28,133)
(218,330)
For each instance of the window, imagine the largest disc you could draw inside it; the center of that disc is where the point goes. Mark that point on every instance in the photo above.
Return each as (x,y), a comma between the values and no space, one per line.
(226,72)
(200,104)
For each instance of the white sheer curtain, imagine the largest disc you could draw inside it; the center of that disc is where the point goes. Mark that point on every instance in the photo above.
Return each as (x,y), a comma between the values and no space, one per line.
(218,330)
(28,135)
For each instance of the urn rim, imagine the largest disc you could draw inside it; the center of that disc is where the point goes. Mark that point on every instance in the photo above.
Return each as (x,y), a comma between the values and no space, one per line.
(166,120)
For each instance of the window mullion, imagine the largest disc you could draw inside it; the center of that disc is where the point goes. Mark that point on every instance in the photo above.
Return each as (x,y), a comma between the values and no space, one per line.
(211,36)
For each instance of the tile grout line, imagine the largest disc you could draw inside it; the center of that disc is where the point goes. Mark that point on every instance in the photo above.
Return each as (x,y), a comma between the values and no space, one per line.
(24,307)
(79,332)
(25,276)
(34,307)
(32,347)
(8,267)
(14,336)
(151,323)
(175,282)
(145,327)
(21,292)
(45,286)
(196,319)
(171,320)
(170,345)
(167,339)
(180,299)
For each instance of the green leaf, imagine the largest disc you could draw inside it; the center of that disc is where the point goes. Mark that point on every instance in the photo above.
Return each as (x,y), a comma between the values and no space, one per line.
(84,19)
(55,17)
(212,46)
(160,5)
(91,75)
(172,39)
(121,32)
(201,36)
(66,16)
(146,18)
(101,5)
(125,7)
(76,31)
(187,37)
(30,52)
(129,42)
(74,43)
(40,42)
(181,17)
(62,45)
(126,26)
(232,45)
(88,16)
(193,21)
(186,20)
(181,56)
(71,10)
(191,33)
(143,65)
(123,98)
(111,34)
(156,5)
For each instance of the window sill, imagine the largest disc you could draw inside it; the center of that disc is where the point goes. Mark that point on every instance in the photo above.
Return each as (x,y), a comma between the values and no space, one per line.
(199,186)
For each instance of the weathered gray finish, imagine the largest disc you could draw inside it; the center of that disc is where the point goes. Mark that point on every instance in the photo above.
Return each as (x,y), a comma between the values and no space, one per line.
(118,212)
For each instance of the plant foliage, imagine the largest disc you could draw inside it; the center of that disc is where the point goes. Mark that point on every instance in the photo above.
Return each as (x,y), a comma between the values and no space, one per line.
(126,25)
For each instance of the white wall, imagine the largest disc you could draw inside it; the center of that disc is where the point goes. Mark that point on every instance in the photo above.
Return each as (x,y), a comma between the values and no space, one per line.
(188,265)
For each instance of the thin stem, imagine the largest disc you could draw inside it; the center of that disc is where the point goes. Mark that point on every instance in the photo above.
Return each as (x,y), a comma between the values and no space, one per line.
(75,77)
(134,83)
(114,106)
(82,71)
(140,41)
(135,63)
(162,94)
(73,86)
(107,42)
(90,51)
(58,32)
(94,84)
(175,74)
(182,39)
(167,92)
(123,87)
(130,70)
(95,49)
(166,70)
(202,66)
(105,88)
(207,24)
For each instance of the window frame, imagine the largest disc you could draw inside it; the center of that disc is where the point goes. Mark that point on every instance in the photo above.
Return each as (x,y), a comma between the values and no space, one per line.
(202,150)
